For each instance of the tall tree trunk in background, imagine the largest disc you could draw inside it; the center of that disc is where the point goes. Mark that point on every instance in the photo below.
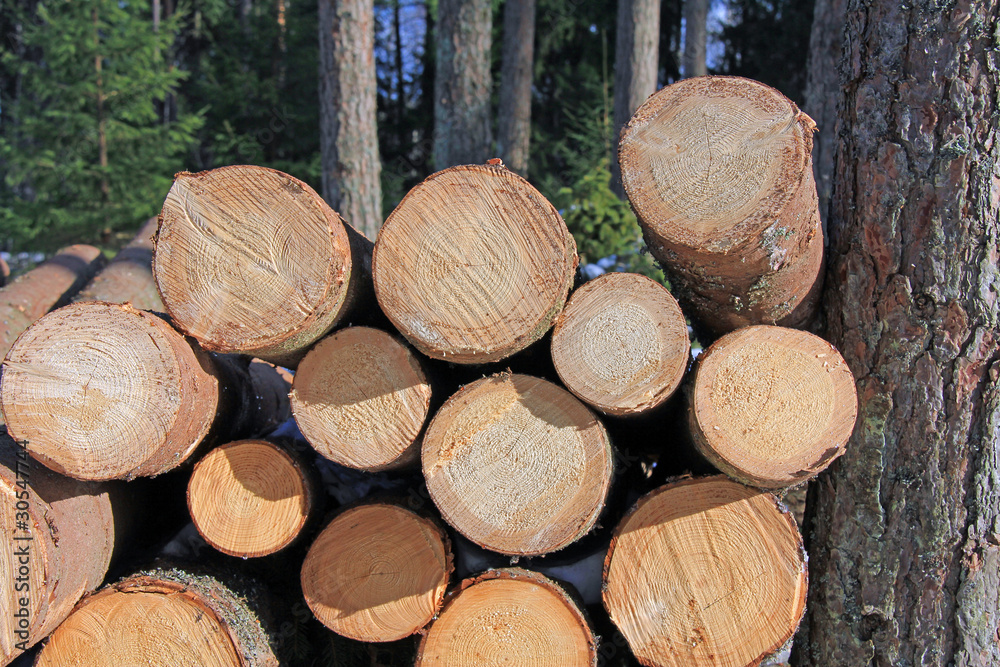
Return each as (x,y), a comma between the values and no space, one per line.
(636,57)
(282,60)
(462,133)
(401,130)
(348,137)
(823,92)
(514,114)
(102,121)
(905,551)
(245,7)
(696,38)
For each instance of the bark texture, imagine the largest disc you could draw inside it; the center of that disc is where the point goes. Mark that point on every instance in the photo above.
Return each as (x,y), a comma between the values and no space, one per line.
(636,54)
(347,93)
(514,114)
(694,62)
(462,133)
(826,46)
(905,556)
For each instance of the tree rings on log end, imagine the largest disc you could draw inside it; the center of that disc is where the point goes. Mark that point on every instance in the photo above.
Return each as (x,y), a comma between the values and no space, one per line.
(517,464)
(772,407)
(377,573)
(473,265)
(706,572)
(621,344)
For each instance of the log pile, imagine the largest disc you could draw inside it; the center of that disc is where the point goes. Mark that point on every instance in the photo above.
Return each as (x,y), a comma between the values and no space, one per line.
(472,419)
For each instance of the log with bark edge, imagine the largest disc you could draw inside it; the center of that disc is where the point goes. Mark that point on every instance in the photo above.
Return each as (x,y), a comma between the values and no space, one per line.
(719,172)
(511,617)
(621,344)
(360,397)
(517,464)
(377,572)
(250,498)
(163,618)
(104,391)
(706,572)
(772,407)
(59,535)
(128,278)
(252,260)
(473,265)
(48,285)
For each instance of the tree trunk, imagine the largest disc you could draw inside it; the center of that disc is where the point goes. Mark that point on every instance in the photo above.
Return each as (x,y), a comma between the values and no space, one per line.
(904,560)
(347,102)
(129,276)
(514,113)
(695,38)
(462,83)
(636,56)
(822,93)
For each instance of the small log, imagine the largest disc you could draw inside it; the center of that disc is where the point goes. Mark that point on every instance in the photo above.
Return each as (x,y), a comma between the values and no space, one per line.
(59,535)
(517,464)
(511,617)
(250,498)
(706,572)
(360,397)
(377,572)
(165,617)
(719,172)
(128,278)
(473,265)
(45,287)
(104,391)
(252,260)
(772,407)
(621,345)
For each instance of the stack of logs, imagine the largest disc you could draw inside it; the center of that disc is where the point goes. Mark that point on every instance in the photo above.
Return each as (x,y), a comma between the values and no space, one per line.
(432,443)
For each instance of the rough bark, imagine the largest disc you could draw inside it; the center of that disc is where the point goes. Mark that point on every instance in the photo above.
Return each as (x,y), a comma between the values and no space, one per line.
(462,83)
(693,62)
(347,94)
(636,56)
(905,559)
(826,47)
(514,114)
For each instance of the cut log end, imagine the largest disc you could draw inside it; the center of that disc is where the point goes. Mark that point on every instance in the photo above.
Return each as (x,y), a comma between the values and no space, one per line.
(361,399)
(249,498)
(517,464)
(621,344)
(103,391)
(473,265)
(510,616)
(251,260)
(682,595)
(772,407)
(377,573)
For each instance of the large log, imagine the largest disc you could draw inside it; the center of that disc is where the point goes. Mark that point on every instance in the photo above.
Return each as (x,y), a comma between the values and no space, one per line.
(719,172)
(361,398)
(251,498)
(252,260)
(517,464)
(104,391)
(772,407)
(510,617)
(163,618)
(621,345)
(128,278)
(58,539)
(473,265)
(377,572)
(706,572)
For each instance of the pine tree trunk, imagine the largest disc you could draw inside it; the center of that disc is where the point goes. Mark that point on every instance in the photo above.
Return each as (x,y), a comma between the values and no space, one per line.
(636,55)
(514,114)
(904,561)
(462,83)
(347,100)
(695,38)
(129,276)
